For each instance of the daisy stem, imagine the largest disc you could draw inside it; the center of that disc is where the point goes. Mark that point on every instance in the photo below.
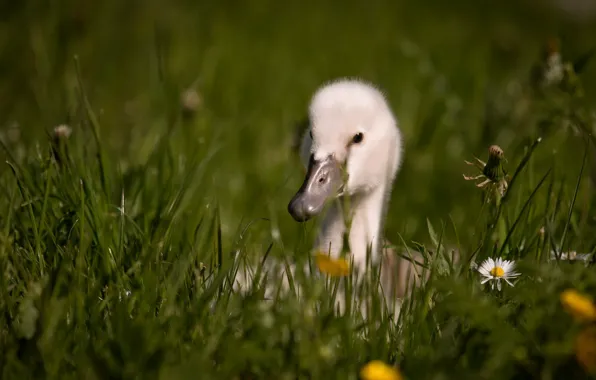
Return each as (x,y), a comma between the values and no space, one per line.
(500,222)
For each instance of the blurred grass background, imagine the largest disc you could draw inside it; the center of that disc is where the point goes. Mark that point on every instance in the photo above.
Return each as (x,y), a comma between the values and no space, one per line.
(255,65)
(151,200)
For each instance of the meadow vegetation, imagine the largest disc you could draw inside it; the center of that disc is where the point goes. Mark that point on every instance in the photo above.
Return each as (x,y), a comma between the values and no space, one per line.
(147,153)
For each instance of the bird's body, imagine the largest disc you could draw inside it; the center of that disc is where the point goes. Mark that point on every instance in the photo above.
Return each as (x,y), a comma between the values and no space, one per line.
(352,150)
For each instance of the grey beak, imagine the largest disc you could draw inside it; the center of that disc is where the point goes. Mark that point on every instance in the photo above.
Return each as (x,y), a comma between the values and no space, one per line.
(323,181)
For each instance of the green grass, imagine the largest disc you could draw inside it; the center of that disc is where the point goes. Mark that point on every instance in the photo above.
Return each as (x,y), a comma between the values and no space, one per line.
(116,260)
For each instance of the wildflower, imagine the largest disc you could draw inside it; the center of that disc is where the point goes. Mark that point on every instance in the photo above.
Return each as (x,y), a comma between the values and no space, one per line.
(492,172)
(571,256)
(541,232)
(578,305)
(377,370)
(553,70)
(497,270)
(60,136)
(62,131)
(333,267)
(585,349)
(191,101)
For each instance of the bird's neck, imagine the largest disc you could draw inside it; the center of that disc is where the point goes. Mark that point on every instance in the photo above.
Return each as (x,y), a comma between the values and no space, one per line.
(366,212)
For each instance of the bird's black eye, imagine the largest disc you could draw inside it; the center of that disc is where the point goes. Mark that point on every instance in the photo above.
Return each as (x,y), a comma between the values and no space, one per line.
(357,139)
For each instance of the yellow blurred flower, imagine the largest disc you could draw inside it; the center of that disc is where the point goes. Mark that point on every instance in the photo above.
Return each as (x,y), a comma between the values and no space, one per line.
(377,370)
(585,349)
(333,267)
(578,305)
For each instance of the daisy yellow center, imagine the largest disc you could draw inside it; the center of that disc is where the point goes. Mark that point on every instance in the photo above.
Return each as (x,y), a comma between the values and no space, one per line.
(497,272)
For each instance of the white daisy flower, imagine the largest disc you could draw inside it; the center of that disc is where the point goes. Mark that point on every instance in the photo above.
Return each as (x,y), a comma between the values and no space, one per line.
(497,270)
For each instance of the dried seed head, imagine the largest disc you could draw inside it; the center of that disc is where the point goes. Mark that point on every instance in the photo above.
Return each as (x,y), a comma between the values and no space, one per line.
(60,137)
(495,151)
(191,102)
(492,172)
(62,131)
(494,169)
